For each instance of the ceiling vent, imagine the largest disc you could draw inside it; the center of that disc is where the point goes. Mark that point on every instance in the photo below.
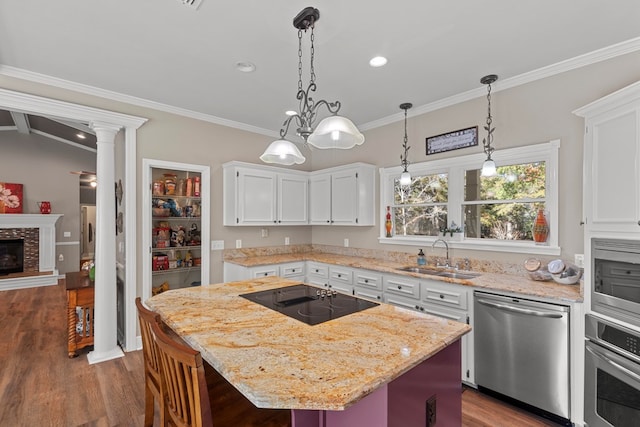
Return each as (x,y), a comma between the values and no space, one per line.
(193,4)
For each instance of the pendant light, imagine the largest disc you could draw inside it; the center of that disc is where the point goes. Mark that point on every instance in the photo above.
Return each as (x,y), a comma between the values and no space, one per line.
(489,166)
(405,177)
(332,132)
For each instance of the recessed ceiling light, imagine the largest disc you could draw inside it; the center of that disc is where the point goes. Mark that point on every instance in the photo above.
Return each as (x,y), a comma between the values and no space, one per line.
(245,66)
(291,113)
(378,61)
(81,135)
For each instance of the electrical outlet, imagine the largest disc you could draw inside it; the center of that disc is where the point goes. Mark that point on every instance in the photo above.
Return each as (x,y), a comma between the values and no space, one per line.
(238,244)
(264,232)
(579,260)
(286,241)
(346,243)
(431,411)
(60,257)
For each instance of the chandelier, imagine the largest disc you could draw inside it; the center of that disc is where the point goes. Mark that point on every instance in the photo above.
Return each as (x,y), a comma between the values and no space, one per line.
(489,166)
(333,131)
(405,177)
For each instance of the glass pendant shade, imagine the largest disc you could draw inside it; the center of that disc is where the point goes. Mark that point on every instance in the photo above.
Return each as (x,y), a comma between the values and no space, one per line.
(488,168)
(335,132)
(282,152)
(405,178)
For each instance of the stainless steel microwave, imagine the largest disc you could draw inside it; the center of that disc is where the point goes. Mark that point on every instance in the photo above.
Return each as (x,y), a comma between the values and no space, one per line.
(615,290)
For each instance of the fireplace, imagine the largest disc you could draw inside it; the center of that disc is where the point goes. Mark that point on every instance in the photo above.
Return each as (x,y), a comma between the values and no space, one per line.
(11,256)
(37,234)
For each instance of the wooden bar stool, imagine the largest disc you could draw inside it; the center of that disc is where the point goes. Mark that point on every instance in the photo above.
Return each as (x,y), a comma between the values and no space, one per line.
(186,397)
(152,379)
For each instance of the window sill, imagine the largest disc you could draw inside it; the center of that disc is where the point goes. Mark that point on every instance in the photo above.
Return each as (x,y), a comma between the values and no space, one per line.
(476,244)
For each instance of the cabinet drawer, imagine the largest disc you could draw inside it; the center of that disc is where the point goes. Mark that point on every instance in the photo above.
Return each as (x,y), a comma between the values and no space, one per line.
(448,296)
(445,312)
(402,286)
(267,270)
(369,280)
(317,270)
(399,301)
(368,293)
(339,275)
(291,270)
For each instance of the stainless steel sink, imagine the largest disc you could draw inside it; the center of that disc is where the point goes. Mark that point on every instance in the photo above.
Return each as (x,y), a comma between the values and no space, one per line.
(457,275)
(440,273)
(421,270)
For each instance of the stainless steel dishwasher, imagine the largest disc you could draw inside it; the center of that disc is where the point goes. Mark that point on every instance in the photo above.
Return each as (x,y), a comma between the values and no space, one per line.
(522,351)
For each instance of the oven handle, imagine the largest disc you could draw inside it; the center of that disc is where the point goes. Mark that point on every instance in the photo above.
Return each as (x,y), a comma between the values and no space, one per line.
(520,310)
(616,365)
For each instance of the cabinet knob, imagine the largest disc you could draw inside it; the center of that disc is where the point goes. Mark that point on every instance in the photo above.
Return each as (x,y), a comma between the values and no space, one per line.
(266,274)
(366,280)
(339,275)
(417,307)
(328,221)
(441,296)
(421,308)
(317,271)
(399,287)
(638,222)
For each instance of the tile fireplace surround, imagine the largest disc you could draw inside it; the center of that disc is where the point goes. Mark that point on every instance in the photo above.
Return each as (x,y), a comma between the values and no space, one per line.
(40,264)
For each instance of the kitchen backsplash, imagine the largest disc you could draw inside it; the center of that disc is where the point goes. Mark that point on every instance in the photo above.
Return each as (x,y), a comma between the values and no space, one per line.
(489,266)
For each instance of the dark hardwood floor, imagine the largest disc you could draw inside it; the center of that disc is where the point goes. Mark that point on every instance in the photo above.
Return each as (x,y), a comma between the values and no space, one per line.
(41,386)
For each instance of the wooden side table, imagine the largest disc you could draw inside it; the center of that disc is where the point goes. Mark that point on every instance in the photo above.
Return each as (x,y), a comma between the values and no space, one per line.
(80,305)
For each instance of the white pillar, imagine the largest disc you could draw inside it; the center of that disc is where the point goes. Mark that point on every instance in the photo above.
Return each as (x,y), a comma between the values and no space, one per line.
(105,340)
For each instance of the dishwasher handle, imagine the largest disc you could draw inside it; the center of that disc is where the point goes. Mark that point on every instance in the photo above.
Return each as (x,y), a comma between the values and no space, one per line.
(506,307)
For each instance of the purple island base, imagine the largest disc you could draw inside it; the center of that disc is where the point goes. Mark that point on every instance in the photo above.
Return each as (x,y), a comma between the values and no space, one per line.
(402,402)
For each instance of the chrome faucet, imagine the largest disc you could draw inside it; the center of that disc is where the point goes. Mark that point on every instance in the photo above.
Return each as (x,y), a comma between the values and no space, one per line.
(446,245)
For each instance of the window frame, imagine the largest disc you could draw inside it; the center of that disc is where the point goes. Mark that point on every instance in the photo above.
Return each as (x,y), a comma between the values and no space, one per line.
(455,167)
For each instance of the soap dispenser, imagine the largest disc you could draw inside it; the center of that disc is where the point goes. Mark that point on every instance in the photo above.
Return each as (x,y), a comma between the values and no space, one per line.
(422,259)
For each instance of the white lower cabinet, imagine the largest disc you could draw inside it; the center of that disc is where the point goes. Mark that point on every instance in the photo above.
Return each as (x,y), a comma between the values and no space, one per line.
(454,302)
(317,274)
(368,284)
(341,279)
(293,271)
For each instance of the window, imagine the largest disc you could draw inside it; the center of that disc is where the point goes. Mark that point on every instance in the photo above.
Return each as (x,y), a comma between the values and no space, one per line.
(496,213)
(420,209)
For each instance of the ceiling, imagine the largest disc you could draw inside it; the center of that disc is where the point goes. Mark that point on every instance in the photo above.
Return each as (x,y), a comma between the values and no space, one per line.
(166,54)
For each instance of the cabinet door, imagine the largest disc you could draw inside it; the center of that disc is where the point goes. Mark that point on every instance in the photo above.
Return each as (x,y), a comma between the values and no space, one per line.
(320,199)
(612,177)
(256,196)
(293,199)
(344,198)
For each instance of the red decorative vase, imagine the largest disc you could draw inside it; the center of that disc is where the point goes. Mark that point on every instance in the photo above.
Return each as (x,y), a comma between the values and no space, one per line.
(540,228)
(388,224)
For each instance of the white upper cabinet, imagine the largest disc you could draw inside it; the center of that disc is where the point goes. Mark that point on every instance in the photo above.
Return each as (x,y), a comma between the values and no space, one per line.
(343,195)
(267,195)
(612,162)
(262,195)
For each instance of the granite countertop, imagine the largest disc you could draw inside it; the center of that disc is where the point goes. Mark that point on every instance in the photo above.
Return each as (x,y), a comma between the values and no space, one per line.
(512,283)
(280,362)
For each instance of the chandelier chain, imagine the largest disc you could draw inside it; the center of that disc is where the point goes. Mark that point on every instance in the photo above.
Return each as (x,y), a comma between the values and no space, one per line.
(313,49)
(404,158)
(488,149)
(299,60)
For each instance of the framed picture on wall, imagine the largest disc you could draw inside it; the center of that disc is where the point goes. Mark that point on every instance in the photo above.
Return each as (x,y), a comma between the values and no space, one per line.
(455,140)
(10,198)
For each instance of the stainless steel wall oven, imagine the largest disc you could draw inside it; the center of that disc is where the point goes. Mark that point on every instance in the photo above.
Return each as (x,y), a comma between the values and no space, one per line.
(612,374)
(615,289)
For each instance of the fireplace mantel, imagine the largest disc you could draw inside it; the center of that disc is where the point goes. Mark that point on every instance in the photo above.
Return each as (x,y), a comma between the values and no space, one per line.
(46,225)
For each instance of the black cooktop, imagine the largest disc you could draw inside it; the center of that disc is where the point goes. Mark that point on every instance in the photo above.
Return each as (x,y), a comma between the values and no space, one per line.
(309,304)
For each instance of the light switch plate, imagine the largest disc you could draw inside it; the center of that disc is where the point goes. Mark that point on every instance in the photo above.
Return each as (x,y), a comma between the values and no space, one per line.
(217,245)
(67,234)
(238,244)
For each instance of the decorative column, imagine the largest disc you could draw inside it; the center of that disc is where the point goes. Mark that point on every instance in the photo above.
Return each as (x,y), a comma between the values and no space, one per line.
(105,316)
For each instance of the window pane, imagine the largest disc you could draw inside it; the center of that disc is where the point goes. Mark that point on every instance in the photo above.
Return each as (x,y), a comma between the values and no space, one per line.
(419,220)
(523,181)
(423,189)
(503,221)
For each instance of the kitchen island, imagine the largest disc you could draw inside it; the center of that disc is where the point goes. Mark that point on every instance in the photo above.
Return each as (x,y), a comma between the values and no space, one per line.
(377,367)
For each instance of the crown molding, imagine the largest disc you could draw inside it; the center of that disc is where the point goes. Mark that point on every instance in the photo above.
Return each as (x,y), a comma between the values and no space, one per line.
(590,58)
(31,76)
